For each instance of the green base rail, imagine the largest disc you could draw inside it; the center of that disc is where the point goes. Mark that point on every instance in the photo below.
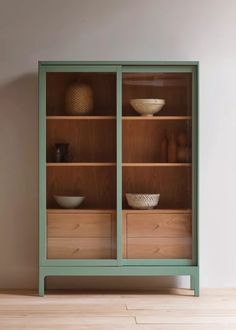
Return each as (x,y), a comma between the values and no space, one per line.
(193,272)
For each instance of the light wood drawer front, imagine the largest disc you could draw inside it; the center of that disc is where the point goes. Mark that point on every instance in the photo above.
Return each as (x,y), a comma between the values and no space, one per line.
(159,225)
(159,248)
(79,225)
(79,248)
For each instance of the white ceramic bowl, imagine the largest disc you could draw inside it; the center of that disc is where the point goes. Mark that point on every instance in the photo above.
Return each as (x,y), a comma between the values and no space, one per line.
(142,201)
(69,202)
(147,107)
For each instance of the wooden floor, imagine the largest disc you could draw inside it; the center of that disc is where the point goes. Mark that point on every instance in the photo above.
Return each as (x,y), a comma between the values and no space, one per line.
(215,309)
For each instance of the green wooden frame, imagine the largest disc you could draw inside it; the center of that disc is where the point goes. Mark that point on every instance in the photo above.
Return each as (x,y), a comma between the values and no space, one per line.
(118,266)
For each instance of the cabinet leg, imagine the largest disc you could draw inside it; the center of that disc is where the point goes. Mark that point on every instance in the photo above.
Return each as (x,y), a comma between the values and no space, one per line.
(197,289)
(192,282)
(41,285)
(195,284)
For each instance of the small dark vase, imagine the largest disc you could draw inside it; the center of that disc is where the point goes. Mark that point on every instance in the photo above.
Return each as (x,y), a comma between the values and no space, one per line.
(62,152)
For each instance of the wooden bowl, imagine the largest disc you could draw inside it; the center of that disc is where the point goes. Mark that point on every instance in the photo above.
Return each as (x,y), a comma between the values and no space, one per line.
(147,107)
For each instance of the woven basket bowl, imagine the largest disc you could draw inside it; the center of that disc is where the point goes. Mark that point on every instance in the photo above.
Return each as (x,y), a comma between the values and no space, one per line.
(142,201)
(147,107)
(79,99)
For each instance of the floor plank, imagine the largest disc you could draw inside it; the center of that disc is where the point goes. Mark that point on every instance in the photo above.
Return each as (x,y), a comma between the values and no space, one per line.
(215,309)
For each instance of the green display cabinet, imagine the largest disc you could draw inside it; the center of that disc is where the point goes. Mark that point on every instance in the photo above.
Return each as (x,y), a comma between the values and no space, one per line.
(107,129)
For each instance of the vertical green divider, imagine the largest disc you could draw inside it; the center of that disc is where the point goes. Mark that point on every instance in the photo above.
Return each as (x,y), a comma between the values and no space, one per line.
(197,162)
(42,165)
(195,166)
(119,164)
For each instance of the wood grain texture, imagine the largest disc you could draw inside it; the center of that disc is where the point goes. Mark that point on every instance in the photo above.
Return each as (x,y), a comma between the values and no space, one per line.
(156,211)
(124,234)
(159,248)
(89,141)
(67,117)
(150,235)
(79,225)
(156,164)
(79,248)
(173,185)
(141,139)
(175,88)
(113,235)
(79,164)
(97,184)
(156,117)
(103,86)
(159,225)
(80,211)
(156,310)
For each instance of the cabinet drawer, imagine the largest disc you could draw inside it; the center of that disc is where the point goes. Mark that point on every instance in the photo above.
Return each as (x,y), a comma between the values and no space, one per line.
(79,248)
(79,225)
(159,248)
(159,225)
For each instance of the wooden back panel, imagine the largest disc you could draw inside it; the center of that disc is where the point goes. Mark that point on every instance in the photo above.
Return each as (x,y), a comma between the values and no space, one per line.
(172,183)
(90,140)
(141,139)
(103,85)
(175,88)
(97,184)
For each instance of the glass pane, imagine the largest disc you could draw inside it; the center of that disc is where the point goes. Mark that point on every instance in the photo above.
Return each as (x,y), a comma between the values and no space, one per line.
(81,93)
(174,88)
(157,169)
(81,162)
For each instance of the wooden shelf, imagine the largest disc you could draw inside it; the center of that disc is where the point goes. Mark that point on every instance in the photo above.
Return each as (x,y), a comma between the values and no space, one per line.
(156,118)
(187,211)
(57,210)
(79,164)
(123,117)
(124,164)
(157,164)
(80,117)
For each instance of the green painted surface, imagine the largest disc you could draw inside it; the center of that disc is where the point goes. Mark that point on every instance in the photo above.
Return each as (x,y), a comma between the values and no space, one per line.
(161,68)
(42,176)
(197,162)
(119,165)
(82,262)
(158,262)
(195,165)
(80,68)
(191,271)
(122,271)
(131,63)
(42,168)
(113,262)
(119,266)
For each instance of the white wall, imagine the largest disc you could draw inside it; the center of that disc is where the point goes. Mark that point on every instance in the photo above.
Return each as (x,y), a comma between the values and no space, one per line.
(32,30)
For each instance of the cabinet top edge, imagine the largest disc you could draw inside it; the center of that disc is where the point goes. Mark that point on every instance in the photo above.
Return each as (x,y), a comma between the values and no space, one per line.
(192,63)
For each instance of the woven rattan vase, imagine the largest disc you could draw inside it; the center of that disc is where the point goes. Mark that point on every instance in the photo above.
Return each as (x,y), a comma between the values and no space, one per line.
(79,99)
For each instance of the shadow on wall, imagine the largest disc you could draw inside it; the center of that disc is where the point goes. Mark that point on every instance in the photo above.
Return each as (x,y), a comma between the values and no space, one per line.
(19,182)
(117,283)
